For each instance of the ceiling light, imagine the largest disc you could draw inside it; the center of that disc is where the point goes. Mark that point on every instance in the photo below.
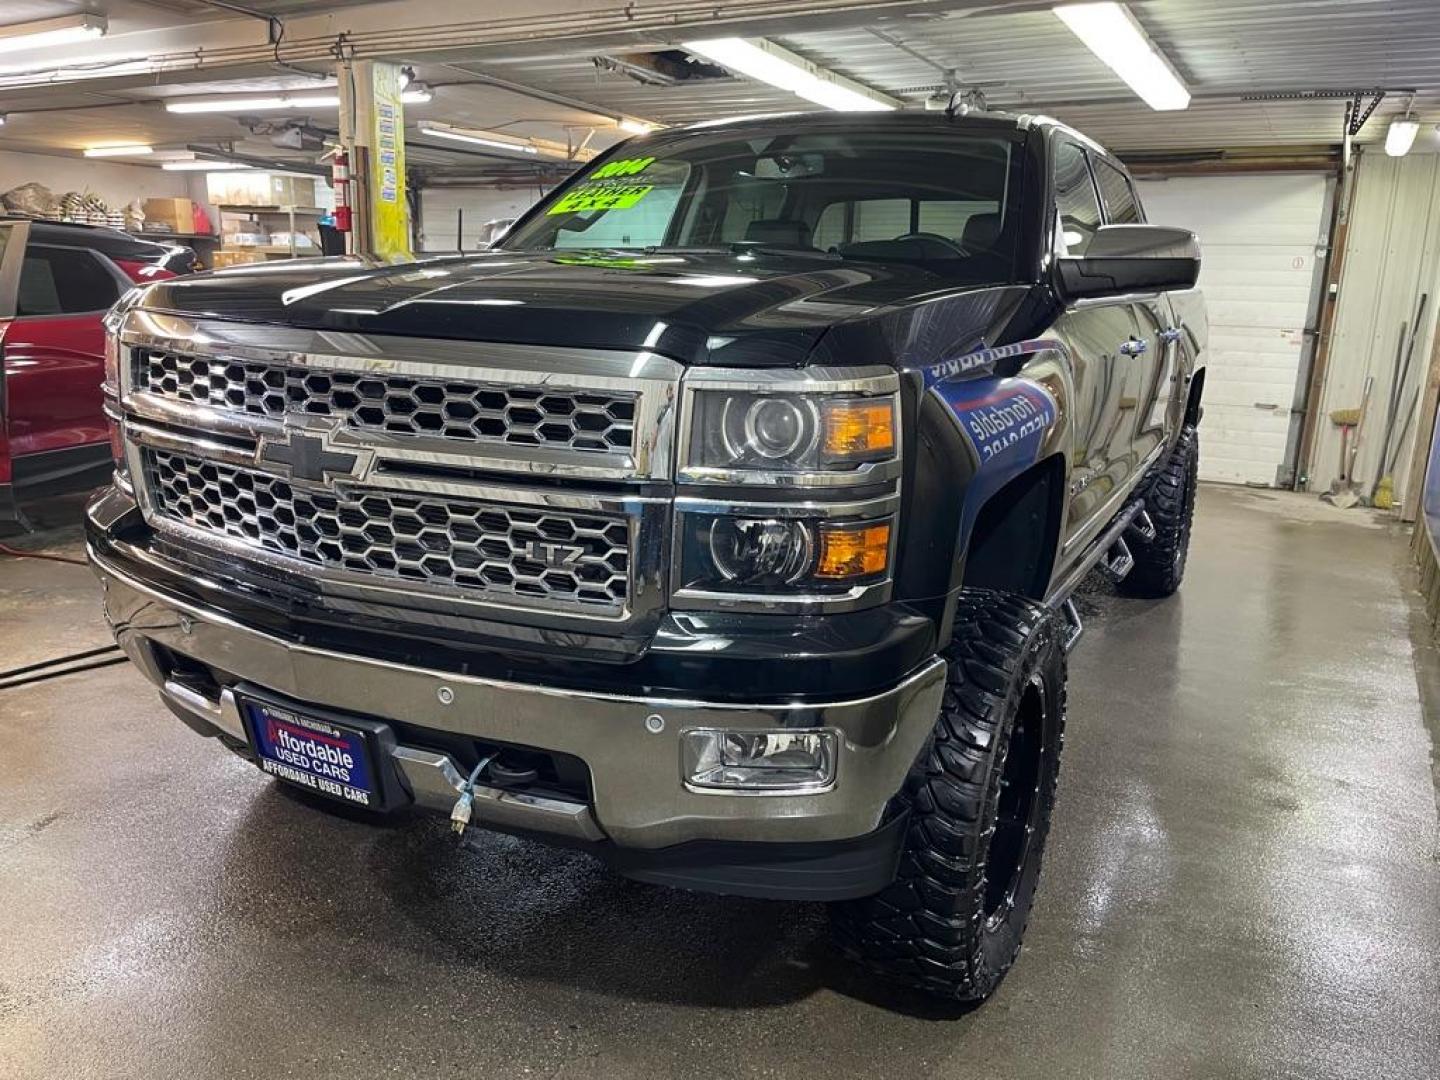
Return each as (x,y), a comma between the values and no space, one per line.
(497,140)
(47,32)
(1111,33)
(636,127)
(118,151)
(766,62)
(203,166)
(1401,136)
(273,102)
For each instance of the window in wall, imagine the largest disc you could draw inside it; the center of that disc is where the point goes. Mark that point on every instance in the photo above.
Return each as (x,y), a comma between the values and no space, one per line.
(63,281)
(1075,199)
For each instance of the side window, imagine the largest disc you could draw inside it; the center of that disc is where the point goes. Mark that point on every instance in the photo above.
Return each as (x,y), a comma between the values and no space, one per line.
(64,281)
(1075,199)
(1119,197)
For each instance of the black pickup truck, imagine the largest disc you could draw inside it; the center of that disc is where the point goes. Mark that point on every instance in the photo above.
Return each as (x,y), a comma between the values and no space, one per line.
(722,520)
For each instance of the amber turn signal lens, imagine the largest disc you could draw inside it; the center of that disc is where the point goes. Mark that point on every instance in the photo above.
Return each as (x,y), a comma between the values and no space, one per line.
(851,552)
(859,428)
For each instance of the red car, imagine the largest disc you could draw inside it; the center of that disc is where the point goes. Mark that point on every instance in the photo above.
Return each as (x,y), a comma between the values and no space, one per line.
(56,283)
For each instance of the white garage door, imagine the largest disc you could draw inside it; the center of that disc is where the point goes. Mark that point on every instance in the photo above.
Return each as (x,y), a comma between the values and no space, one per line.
(1259,236)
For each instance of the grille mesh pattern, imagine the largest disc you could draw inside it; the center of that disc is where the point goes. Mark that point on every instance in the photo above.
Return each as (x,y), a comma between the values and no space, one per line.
(400,404)
(484,548)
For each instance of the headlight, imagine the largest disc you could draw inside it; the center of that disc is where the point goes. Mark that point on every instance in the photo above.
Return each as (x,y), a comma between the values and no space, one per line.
(791,556)
(789,429)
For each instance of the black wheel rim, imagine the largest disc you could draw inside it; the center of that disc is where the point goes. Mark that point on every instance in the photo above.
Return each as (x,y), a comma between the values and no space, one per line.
(1018,810)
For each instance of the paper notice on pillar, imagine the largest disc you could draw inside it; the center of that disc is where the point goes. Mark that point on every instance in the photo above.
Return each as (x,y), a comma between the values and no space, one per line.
(389,209)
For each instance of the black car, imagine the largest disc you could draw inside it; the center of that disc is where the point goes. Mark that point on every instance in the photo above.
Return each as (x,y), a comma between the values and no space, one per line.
(722,520)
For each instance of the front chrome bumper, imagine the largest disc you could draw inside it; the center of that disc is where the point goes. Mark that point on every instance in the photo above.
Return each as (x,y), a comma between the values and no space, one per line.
(638,798)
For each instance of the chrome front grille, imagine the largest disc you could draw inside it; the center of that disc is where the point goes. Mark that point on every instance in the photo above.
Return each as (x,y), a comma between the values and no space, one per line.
(397,404)
(539,557)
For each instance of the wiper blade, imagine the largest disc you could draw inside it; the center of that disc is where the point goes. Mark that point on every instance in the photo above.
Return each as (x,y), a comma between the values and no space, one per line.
(745,247)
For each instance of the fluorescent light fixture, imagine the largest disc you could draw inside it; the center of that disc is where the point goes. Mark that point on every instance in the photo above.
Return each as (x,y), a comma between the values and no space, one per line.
(636,127)
(498,140)
(275,102)
(1111,33)
(118,151)
(204,166)
(1401,136)
(766,62)
(47,32)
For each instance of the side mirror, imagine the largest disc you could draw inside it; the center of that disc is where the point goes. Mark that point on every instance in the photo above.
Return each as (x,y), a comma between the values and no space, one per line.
(1130,259)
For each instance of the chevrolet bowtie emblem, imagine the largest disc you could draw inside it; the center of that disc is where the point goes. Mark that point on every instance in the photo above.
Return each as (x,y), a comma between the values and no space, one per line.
(308,457)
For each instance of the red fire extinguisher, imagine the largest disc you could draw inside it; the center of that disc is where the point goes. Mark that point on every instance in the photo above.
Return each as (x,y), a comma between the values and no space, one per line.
(340,177)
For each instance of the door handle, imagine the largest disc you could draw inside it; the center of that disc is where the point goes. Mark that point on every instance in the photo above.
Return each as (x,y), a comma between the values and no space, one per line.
(1134,347)
(1170,335)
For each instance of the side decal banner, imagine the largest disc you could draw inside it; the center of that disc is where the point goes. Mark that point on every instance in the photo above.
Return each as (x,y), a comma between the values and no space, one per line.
(1004,419)
(985,359)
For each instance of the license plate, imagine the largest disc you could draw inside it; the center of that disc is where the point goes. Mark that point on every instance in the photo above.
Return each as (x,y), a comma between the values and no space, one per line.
(331,758)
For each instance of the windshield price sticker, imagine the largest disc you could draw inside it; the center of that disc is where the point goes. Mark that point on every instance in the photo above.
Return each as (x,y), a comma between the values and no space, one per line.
(603,196)
(609,187)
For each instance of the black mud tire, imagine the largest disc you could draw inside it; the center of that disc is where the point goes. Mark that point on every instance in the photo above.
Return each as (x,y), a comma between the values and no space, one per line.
(980,799)
(1170,501)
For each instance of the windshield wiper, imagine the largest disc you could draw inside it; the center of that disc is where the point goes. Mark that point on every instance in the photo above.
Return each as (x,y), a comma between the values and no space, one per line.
(745,247)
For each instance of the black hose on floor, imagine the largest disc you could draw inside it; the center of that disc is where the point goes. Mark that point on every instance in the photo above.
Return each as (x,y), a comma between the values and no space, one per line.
(44,675)
(70,658)
(16,553)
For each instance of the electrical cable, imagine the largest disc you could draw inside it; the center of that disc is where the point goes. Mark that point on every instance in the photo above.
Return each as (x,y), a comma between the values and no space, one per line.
(71,658)
(43,676)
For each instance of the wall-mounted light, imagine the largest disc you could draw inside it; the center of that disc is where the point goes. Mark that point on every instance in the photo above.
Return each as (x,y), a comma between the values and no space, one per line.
(44,33)
(1401,135)
(118,151)
(1112,34)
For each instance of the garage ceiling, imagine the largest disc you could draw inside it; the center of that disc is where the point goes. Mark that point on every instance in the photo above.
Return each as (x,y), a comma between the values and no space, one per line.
(1017,53)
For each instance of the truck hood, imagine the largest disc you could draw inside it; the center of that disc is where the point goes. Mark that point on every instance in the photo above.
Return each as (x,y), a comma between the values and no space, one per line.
(731,309)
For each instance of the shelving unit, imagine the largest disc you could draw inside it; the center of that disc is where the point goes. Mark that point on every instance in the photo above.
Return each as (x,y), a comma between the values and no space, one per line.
(263,216)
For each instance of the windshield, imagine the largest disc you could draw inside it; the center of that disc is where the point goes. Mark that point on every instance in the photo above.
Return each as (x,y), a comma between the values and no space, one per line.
(943,199)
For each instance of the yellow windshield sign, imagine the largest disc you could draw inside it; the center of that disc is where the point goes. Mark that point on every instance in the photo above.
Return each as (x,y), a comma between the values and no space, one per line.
(607,188)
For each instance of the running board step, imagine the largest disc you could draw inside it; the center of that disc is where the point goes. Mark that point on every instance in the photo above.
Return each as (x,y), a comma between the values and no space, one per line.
(1117,560)
(1143,527)
(1074,627)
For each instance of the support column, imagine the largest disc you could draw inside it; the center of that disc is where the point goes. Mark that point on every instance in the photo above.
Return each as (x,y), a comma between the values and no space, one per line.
(372,133)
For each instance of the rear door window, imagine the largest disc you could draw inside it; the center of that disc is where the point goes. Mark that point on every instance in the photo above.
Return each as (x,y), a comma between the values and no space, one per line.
(1119,197)
(1075,200)
(64,281)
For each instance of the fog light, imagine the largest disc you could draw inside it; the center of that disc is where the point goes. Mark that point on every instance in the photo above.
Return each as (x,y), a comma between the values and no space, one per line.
(777,760)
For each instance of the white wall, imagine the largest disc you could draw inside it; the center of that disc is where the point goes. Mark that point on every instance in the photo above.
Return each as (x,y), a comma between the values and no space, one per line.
(1392,256)
(438,207)
(117,184)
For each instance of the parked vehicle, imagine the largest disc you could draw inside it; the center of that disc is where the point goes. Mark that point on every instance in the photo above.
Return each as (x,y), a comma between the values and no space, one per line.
(56,283)
(722,521)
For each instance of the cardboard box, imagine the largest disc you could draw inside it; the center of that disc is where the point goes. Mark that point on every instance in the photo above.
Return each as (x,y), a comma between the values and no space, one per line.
(260,189)
(222,259)
(177,215)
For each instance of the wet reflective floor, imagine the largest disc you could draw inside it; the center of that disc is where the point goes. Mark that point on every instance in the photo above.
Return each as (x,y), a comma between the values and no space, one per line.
(1242,880)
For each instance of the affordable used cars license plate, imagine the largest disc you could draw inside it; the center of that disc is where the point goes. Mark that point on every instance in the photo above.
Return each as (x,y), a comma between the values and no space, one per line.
(331,758)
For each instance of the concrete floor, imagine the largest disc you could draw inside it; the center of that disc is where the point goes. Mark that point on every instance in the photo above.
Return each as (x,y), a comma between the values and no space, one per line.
(1242,880)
